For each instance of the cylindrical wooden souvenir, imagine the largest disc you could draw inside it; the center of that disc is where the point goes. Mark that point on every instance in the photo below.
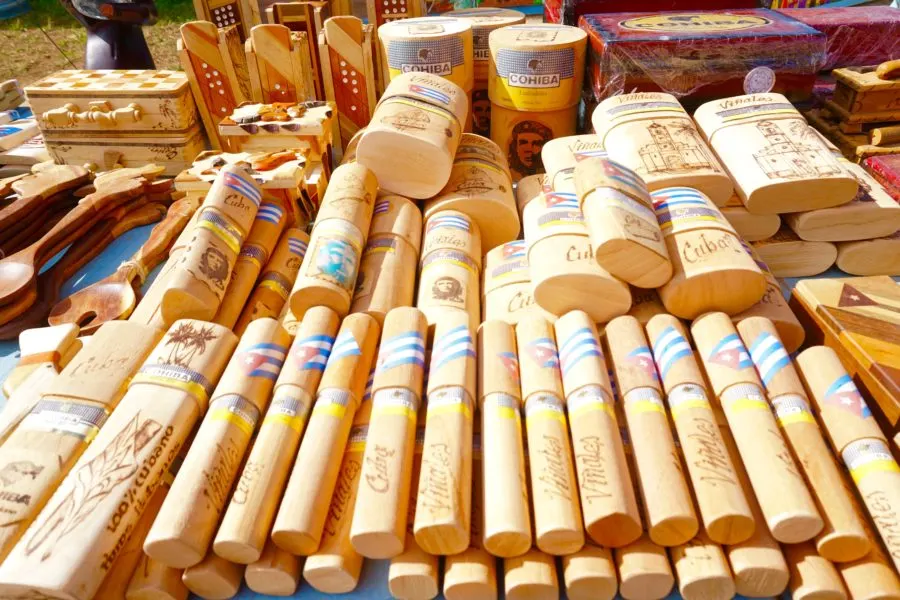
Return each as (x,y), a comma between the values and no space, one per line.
(449,271)
(711,269)
(701,570)
(778,162)
(789,509)
(564,274)
(444,503)
(531,576)
(484,21)
(650,133)
(751,227)
(527,189)
(214,578)
(608,503)
(379,520)
(725,512)
(645,305)
(439,46)
(197,285)
(522,135)
(590,574)
(813,577)
(507,285)
(153,580)
(870,257)
(536,67)
(871,577)
(327,276)
(480,186)
(277,279)
(507,525)
(558,524)
(411,141)
(624,233)
(387,272)
(562,154)
(644,570)
(276,573)
(671,520)
(301,517)
(789,256)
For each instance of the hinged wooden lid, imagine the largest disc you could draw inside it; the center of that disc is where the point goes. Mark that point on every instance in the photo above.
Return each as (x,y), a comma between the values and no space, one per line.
(453,354)
(861,79)
(596,172)
(630,356)
(725,358)
(401,355)
(641,106)
(714,116)
(452,230)
(581,357)
(310,351)
(560,156)
(396,215)
(110,84)
(504,265)
(539,358)
(498,360)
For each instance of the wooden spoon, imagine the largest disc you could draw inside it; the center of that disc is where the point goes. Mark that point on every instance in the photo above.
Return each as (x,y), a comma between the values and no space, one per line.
(114,297)
(35,228)
(19,271)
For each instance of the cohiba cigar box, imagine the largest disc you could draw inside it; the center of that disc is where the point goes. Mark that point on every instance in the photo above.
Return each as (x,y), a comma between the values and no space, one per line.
(137,116)
(886,171)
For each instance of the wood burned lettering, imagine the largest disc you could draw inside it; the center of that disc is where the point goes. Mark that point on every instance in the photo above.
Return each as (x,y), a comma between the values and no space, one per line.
(593,479)
(187,342)
(436,485)
(553,468)
(519,301)
(709,246)
(711,457)
(886,519)
(379,481)
(413,119)
(343,493)
(218,479)
(245,483)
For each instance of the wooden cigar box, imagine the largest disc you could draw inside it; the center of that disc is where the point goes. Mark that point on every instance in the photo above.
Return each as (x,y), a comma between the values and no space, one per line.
(789,256)
(751,228)
(859,317)
(281,125)
(867,94)
(854,146)
(128,118)
(879,256)
(225,13)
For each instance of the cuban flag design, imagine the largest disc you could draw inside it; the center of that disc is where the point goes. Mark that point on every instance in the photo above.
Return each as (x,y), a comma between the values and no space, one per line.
(369,383)
(297,247)
(514,249)
(843,394)
(449,221)
(769,356)
(404,349)
(430,93)
(345,346)
(456,343)
(270,213)
(263,360)
(243,187)
(312,352)
(614,170)
(561,200)
(669,348)
(511,362)
(543,352)
(642,358)
(586,154)
(382,207)
(580,345)
(730,352)
(677,197)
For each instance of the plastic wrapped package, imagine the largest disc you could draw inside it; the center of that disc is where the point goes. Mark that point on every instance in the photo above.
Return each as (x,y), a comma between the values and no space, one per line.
(703,55)
(568,12)
(886,171)
(857,36)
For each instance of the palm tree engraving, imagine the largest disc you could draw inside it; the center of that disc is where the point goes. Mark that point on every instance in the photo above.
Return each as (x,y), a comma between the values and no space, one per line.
(187,341)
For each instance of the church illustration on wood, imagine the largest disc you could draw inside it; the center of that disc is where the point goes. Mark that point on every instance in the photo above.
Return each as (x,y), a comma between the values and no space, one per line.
(787,156)
(667,155)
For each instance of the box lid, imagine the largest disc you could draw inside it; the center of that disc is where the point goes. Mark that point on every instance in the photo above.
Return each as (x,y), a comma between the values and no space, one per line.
(110,84)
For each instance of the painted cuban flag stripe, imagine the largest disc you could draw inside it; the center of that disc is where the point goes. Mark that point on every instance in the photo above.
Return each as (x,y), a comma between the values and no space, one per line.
(769,356)
(669,348)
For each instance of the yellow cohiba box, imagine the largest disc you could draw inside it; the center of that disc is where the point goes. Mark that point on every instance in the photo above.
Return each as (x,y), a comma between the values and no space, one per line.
(437,45)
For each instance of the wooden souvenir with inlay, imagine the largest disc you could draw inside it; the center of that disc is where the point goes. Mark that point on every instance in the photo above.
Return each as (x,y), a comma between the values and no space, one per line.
(380,12)
(278,65)
(522,135)
(163,402)
(439,46)
(650,133)
(273,127)
(417,123)
(789,256)
(880,256)
(751,227)
(387,270)
(779,163)
(306,16)
(712,271)
(227,13)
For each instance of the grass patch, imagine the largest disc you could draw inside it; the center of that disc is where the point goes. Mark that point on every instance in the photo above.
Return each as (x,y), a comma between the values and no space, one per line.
(48,14)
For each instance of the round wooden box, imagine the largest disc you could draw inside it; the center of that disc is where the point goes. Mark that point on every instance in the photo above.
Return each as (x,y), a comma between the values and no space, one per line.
(712,271)
(650,133)
(622,225)
(536,67)
(562,154)
(439,46)
(349,155)
(751,227)
(522,135)
(411,141)
(528,189)
(327,276)
(870,257)
(387,271)
(480,186)
(507,285)
(778,162)
(564,274)
(484,21)
(449,271)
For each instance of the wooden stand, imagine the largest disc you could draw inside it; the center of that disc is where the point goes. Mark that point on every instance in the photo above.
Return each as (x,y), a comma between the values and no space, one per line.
(307,17)
(531,576)
(279,65)
(523,134)
(751,227)
(276,573)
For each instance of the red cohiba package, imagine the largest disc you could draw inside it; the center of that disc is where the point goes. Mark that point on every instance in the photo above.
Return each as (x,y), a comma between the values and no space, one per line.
(886,170)
(703,55)
(568,12)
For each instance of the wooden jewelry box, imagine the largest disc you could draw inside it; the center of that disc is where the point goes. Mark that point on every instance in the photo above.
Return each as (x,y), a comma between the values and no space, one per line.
(867,94)
(132,118)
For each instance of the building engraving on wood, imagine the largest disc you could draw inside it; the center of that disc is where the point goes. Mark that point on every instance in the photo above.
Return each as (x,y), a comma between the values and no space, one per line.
(675,148)
(789,156)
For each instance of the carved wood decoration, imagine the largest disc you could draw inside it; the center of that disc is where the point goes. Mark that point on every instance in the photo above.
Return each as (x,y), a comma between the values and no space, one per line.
(308,18)
(279,65)
(225,13)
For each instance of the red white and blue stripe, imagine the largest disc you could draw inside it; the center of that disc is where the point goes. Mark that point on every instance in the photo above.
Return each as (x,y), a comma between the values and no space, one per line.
(312,352)
(297,246)
(677,197)
(382,207)
(561,200)
(270,213)
(586,154)
(543,352)
(642,358)
(669,348)
(430,93)
(580,345)
(769,356)
(514,249)
(451,221)
(243,187)
(730,352)
(263,360)
(345,346)
(404,349)
(456,343)
(619,172)
(511,362)
(844,394)
(369,383)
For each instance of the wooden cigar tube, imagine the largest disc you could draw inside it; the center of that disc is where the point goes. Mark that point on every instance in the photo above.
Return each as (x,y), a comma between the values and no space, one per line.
(778,484)
(379,518)
(789,256)
(276,573)
(73,408)
(528,188)
(267,226)
(671,519)
(214,578)
(327,276)
(507,285)
(724,510)
(561,155)
(843,537)
(387,271)
(335,567)
(645,305)
(590,574)
(812,576)
(197,284)
(701,570)
(558,524)
(153,580)
(248,518)
(531,576)
(186,525)
(444,503)
(507,523)
(608,504)
(758,565)
(751,227)
(163,402)
(644,570)
(856,436)
(872,576)
(277,279)
(301,517)
(624,232)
